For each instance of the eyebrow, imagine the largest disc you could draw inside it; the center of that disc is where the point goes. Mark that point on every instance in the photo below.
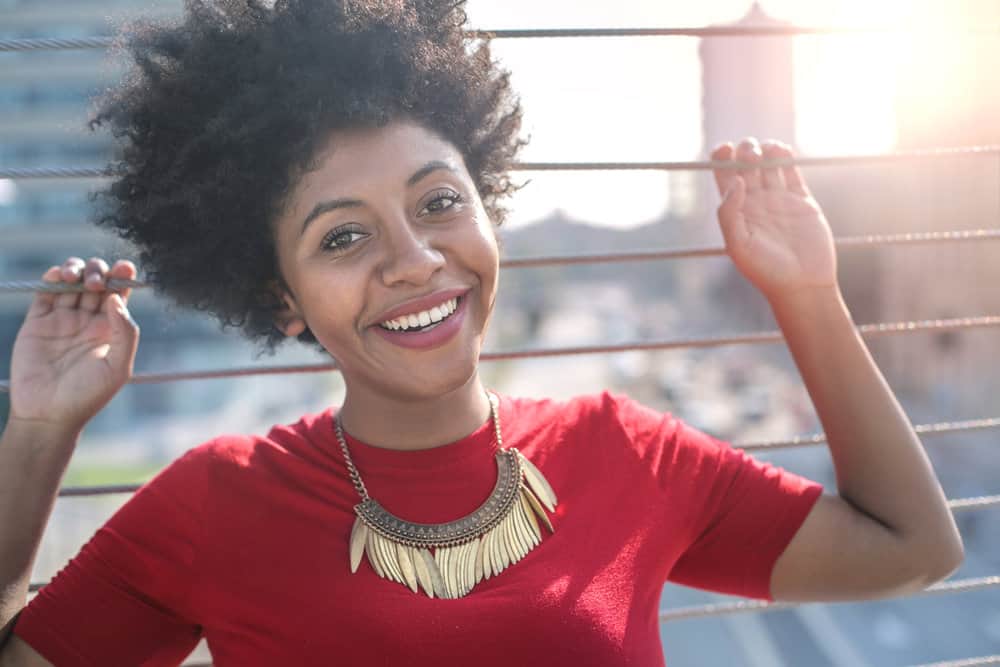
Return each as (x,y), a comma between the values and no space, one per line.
(429,168)
(334,204)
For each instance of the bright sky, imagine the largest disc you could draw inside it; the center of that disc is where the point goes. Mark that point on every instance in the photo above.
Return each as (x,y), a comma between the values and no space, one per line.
(640,99)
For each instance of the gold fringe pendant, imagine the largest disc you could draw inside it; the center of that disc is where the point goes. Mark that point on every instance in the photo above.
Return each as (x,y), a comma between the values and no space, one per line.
(447,560)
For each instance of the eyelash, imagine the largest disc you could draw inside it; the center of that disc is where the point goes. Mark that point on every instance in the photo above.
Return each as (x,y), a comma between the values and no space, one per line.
(328,245)
(439,195)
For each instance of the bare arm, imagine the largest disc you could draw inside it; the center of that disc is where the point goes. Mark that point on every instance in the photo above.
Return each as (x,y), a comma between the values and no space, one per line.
(889,530)
(32,461)
(72,354)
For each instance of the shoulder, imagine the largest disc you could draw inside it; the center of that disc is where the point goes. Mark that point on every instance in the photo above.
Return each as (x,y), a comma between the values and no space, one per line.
(602,408)
(231,453)
(601,419)
(583,405)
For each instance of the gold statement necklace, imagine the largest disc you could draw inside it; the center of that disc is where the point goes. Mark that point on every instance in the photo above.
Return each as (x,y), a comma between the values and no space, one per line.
(483,544)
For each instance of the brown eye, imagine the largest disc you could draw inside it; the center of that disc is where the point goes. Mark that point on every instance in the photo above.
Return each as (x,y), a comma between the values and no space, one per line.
(341,239)
(441,202)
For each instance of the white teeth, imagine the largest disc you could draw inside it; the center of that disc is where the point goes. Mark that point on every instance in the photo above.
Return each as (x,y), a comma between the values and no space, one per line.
(423,318)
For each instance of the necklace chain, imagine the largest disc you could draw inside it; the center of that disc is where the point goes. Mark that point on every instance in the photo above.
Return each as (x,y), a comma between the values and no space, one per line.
(447,560)
(359,484)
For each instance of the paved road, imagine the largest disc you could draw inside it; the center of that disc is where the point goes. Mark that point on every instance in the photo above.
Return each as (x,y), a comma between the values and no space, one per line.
(888,633)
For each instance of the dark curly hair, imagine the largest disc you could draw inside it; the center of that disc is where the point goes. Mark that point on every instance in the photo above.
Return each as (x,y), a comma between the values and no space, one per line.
(225,109)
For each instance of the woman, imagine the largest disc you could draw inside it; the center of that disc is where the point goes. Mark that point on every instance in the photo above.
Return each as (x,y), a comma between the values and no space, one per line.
(332,171)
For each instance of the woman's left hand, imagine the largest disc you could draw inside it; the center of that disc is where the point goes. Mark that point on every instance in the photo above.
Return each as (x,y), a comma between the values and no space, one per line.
(774,230)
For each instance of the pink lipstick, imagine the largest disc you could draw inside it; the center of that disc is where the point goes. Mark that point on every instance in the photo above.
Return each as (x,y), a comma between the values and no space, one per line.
(432,337)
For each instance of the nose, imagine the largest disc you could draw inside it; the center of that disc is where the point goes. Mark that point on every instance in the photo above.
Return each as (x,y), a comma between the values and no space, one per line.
(411,255)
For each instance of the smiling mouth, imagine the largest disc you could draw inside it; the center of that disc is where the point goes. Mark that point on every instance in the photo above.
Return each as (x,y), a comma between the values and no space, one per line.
(424,320)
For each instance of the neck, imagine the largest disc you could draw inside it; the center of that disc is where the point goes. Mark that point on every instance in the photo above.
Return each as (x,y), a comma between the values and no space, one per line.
(410,423)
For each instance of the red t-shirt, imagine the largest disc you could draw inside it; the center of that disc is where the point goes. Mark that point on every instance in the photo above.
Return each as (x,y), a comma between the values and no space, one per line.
(244,540)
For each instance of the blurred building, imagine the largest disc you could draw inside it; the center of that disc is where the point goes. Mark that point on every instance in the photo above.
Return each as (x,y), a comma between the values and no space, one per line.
(748,89)
(950,97)
(45,104)
(44,100)
(747,84)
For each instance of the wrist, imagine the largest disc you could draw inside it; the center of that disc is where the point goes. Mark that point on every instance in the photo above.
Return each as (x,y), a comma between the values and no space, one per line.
(41,434)
(808,297)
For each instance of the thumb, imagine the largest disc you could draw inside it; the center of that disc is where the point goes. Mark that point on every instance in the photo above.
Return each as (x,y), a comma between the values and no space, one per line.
(731,218)
(125,332)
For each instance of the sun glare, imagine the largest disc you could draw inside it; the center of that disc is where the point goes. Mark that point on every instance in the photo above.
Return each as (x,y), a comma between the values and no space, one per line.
(851,88)
(846,84)
(640,99)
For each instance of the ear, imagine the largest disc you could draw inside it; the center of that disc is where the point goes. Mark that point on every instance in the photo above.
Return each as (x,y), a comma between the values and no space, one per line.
(289,320)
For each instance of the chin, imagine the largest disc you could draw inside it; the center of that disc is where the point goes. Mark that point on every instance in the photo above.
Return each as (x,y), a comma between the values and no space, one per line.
(453,380)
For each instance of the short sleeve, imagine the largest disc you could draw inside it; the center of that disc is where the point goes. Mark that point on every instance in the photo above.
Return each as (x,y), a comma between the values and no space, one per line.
(125,598)
(739,513)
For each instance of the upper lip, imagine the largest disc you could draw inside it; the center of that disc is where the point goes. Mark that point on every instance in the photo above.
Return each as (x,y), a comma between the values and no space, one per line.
(420,303)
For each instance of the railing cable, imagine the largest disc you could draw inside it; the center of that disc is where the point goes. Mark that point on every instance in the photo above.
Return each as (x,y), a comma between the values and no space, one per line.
(685,165)
(871,240)
(940,428)
(764,337)
(965,662)
(725,608)
(104,42)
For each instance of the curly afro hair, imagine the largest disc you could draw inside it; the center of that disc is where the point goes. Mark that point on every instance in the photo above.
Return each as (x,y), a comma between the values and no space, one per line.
(225,109)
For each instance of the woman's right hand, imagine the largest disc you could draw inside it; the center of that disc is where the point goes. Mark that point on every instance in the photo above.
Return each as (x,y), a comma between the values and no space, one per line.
(74,350)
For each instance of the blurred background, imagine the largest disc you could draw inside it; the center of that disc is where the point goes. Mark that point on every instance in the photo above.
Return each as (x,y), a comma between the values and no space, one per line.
(932,82)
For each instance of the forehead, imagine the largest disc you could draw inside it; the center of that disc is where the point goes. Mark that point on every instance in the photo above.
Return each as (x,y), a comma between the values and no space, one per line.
(354,159)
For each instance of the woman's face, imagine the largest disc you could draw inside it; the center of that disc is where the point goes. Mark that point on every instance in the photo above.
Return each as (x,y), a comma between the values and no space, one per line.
(390,225)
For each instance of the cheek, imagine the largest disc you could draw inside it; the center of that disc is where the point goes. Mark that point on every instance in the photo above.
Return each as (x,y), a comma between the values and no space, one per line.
(331,308)
(487,231)
(487,247)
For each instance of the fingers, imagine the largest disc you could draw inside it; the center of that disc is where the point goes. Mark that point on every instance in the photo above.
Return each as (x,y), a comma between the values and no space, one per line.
(772,178)
(731,219)
(724,178)
(94,275)
(94,279)
(44,301)
(123,270)
(748,152)
(791,174)
(71,272)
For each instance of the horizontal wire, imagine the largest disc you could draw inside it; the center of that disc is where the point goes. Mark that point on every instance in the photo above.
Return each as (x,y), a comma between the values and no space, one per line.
(965,662)
(718,251)
(724,31)
(21,286)
(97,490)
(940,428)
(975,503)
(55,43)
(802,161)
(913,238)
(764,337)
(104,42)
(725,608)
(685,165)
